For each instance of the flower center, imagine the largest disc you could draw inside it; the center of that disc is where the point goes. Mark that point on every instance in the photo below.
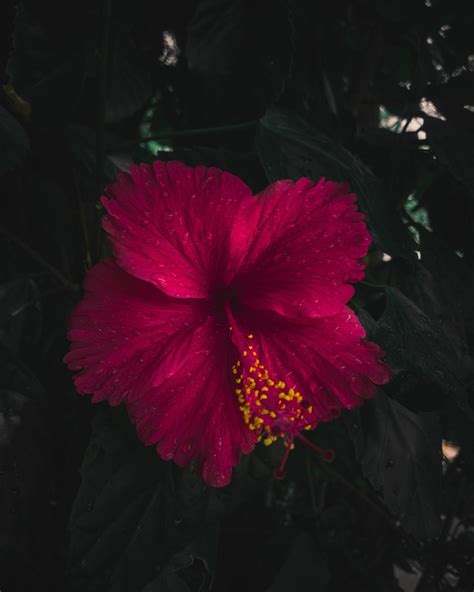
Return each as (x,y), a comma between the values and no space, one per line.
(271,408)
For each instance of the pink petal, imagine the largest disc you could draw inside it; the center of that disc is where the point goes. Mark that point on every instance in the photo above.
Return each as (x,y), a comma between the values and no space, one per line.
(168,360)
(326,359)
(304,244)
(191,412)
(119,329)
(170,225)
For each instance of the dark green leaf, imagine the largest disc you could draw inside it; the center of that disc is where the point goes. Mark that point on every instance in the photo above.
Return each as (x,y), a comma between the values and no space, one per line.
(134,513)
(400,454)
(304,568)
(453,289)
(414,342)
(23,440)
(14,141)
(82,142)
(20,312)
(25,457)
(290,148)
(168,581)
(454,146)
(47,66)
(130,84)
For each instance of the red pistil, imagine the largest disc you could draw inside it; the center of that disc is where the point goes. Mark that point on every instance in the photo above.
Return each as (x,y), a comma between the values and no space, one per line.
(327,455)
(280,472)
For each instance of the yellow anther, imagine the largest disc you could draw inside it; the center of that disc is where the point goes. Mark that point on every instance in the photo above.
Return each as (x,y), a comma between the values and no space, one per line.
(310,409)
(250,336)
(291,392)
(238,391)
(250,346)
(263,397)
(268,441)
(273,414)
(308,427)
(244,353)
(252,369)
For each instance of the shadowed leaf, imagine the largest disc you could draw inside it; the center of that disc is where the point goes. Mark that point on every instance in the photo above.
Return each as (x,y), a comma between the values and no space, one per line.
(290,148)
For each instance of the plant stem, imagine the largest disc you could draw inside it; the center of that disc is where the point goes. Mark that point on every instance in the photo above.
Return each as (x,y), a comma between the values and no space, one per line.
(201,131)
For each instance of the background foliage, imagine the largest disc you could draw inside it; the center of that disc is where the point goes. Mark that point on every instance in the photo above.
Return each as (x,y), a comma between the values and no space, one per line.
(373,92)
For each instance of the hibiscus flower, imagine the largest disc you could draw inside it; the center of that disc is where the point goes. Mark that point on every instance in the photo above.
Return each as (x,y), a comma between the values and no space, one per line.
(222,321)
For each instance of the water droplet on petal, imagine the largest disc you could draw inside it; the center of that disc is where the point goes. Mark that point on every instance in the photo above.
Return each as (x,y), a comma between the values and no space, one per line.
(169,215)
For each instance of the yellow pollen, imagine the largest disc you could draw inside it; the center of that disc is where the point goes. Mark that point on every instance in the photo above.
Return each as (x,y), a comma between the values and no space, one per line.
(268,407)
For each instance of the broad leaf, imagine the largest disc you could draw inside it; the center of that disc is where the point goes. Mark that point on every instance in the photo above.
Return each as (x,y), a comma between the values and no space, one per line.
(304,568)
(20,313)
(25,457)
(414,342)
(400,454)
(134,513)
(454,146)
(14,141)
